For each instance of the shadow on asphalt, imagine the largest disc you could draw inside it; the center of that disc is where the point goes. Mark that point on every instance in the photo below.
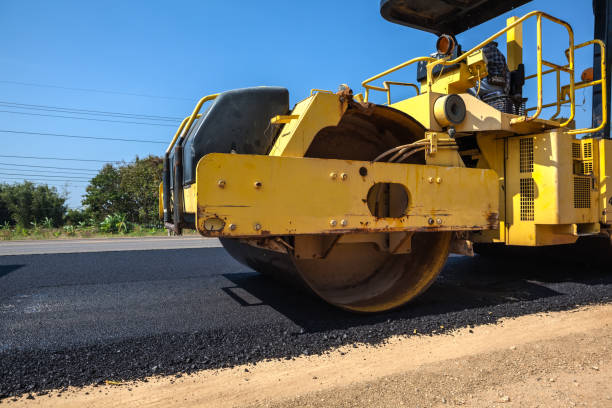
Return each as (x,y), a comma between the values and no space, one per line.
(465,283)
(6,269)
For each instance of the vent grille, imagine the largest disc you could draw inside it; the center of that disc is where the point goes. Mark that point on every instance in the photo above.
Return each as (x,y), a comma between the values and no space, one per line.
(582,192)
(526,155)
(587,167)
(576,150)
(527,190)
(588,150)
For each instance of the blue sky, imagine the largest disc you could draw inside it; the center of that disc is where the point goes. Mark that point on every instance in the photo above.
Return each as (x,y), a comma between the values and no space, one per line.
(158,57)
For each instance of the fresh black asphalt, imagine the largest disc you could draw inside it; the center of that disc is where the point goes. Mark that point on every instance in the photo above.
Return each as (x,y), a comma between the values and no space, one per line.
(83,318)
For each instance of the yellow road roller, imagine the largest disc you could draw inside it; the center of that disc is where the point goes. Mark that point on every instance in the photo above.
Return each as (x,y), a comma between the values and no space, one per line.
(362,203)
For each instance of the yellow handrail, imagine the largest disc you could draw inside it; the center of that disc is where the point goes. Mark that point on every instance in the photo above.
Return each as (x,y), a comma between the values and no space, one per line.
(195,112)
(601,81)
(178,133)
(387,72)
(388,88)
(570,67)
(433,62)
(315,90)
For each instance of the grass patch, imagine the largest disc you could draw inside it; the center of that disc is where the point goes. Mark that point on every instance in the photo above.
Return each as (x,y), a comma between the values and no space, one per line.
(75,232)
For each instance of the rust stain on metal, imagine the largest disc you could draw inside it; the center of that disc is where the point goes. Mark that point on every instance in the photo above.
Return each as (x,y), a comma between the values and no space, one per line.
(492,220)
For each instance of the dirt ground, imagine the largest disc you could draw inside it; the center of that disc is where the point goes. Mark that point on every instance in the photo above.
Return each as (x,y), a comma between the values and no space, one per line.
(559,359)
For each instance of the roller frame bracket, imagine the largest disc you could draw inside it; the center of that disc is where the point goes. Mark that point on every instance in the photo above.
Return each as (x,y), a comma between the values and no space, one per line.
(301,196)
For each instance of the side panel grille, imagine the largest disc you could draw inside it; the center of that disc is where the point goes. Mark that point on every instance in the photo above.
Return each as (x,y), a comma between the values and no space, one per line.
(526,155)
(588,150)
(582,192)
(587,167)
(527,194)
(576,150)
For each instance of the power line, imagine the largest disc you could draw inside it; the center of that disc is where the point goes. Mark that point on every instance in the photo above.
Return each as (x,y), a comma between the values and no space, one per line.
(45,180)
(47,171)
(62,159)
(46,167)
(45,175)
(115,139)
(95,90)
(92,119)
(90,111)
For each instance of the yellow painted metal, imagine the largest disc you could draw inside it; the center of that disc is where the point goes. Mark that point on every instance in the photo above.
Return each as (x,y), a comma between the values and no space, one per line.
(492,155)
(302,196)
(387,85)
(160,201)
(547,199)
(189,199)
(564,93)
(314,113)
(514,44)
(315,90)
(603,82)
(420,107)
(605,179)
(480,116)
(177,134)
(368,87)
(459,81)
(442,150)
(278,119)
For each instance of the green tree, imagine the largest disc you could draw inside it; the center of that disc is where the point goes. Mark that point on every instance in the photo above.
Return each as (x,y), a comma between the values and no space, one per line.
(5,215)
(103,194)
(130,190)
(29,203)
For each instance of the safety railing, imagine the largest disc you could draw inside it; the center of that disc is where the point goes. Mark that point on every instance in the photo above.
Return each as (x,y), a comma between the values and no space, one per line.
(563,96)
(387,85)
(540,62)
(174,222)
(315,90)
(188,121)
(366,84)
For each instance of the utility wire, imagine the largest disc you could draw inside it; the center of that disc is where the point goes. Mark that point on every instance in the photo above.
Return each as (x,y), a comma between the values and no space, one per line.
(62,159)
(66,172)
(89,111)
(93,119)
(115,139)
(44,180)
(45,175)
(95,90)
(47,167)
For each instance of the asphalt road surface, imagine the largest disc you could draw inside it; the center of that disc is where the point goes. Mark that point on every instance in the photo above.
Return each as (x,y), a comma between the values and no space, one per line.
(87,316)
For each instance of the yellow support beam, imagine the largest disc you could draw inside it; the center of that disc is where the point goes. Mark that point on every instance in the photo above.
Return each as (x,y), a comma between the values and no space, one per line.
(514,44)
(253,195)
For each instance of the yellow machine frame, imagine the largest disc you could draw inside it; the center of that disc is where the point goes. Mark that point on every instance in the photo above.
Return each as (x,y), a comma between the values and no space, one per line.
(534,183)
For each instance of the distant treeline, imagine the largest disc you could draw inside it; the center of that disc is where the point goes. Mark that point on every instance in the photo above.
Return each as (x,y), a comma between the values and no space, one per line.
(126,191)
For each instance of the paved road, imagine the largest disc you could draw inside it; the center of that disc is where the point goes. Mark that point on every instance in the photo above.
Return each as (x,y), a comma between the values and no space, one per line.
(83,317)
(67,246)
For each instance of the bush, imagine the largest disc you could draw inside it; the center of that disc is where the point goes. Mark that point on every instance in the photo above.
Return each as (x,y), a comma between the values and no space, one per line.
(77,217)
(115,223)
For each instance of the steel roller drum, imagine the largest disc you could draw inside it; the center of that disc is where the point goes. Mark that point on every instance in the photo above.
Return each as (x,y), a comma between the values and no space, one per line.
(358,276)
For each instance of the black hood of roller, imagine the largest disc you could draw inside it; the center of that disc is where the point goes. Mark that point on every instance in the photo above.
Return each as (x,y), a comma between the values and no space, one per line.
(236,121)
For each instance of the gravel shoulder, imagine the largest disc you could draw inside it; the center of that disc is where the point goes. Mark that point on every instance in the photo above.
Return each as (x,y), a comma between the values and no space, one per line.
(549,359)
